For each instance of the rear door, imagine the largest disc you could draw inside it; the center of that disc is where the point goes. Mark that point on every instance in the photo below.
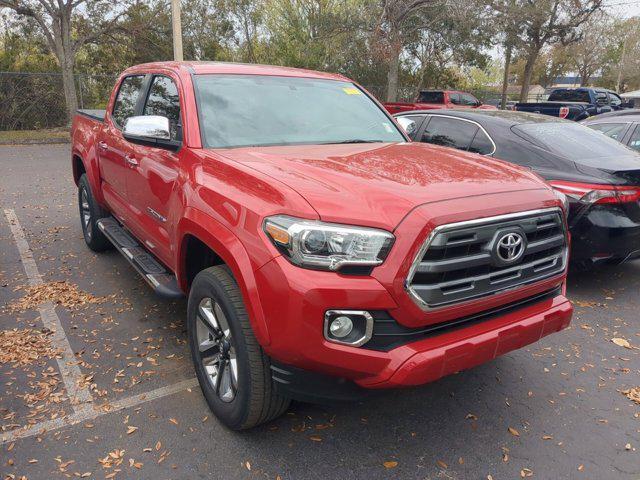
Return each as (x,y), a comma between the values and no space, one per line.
(152,177)
(113,149)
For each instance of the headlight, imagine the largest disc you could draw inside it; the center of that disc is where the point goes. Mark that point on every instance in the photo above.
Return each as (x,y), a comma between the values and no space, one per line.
(327,246)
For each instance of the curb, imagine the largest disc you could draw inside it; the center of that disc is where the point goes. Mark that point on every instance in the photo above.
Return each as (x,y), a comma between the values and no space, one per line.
(36,141)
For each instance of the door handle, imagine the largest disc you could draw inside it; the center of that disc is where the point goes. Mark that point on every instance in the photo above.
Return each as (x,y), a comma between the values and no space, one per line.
(132,162)
(103,145)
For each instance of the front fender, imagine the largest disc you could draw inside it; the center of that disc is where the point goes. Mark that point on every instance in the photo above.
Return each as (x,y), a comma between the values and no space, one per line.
(229,248)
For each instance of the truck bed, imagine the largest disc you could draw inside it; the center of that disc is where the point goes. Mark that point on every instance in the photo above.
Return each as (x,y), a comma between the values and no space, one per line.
(95,114)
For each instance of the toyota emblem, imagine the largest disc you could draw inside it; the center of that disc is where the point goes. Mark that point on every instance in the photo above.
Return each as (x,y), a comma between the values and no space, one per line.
(510,247)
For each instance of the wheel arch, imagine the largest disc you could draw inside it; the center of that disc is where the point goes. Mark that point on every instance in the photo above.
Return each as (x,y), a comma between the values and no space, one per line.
(84,161)
(205,242)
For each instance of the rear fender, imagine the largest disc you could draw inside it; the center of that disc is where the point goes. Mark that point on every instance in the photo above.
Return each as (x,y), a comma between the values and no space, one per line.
(84,147)
(229,248)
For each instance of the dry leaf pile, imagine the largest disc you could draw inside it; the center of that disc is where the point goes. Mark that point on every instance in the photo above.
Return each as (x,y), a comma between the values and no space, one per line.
(58,292)
(633,394)
(25,346)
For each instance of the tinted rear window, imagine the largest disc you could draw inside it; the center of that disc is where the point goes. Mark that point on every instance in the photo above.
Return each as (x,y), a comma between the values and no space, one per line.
(431,97)
(570,96)
(577,143)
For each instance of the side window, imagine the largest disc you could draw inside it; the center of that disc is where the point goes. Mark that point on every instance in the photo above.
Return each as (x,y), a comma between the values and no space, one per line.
(613,130)
(481,144)
(467,99)
(164,100)
(615,100)
(454,98)
(127,99)
(449,132)
(602,99)
(634,141)
(411,124)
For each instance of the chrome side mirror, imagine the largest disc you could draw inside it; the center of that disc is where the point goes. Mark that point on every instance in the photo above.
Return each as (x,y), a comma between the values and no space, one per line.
(407,124)
(149,127)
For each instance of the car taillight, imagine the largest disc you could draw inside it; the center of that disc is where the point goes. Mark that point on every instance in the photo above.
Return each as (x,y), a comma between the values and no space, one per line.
(597,194)
(564,111)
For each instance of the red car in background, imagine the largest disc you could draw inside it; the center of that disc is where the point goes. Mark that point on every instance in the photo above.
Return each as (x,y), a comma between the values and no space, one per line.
(438,99)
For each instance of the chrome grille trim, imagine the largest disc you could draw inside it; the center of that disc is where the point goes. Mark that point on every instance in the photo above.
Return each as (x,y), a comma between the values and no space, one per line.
(478,232)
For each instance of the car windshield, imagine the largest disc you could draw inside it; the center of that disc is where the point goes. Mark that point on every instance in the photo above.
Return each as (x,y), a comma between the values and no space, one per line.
(258,110)
(577,143)
(570,96)
(431,97)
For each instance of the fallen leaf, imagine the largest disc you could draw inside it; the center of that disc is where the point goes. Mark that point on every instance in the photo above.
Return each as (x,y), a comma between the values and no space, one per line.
(621,342)
(390,464)
(441,464)
(632,394)
(131,429)
(514,432)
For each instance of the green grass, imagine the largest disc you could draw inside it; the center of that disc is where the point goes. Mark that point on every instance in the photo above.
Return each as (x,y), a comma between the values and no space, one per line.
(34,136)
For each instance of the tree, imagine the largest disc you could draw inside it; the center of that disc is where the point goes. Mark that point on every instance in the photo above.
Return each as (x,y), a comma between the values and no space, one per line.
(544,23)
(397,23)
(67,26)
(588,55)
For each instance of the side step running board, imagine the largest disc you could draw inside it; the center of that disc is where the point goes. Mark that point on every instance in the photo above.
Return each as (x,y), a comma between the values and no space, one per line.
(161,280)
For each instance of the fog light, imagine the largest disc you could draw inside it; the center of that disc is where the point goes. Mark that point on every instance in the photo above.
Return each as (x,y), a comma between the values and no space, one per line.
(348,327)
(341,327)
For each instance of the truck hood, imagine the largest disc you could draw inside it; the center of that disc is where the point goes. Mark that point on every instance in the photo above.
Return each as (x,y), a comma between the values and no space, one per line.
(379,184)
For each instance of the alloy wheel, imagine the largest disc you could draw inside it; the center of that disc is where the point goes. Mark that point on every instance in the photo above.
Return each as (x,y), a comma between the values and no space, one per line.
(85,212)
(216,349)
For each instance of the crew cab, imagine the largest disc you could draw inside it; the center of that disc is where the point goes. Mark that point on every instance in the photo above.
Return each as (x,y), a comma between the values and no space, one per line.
(575,103)
(324,255)
(438,99)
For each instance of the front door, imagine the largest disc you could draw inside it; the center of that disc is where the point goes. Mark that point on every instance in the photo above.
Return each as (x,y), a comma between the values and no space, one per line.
(153,173)
(113,149)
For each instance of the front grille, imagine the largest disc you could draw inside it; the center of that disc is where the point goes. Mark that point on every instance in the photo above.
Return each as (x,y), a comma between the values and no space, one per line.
(461,261)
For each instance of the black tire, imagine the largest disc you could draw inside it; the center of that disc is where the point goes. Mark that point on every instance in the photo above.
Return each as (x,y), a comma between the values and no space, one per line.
(90,213)
(254,400)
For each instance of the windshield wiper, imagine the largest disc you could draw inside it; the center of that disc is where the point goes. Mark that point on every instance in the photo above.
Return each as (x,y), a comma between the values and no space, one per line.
(353,140)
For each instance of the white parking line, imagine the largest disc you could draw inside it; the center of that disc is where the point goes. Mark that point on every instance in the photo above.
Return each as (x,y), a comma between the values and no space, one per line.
(97,411)
(80,397)
(69,370)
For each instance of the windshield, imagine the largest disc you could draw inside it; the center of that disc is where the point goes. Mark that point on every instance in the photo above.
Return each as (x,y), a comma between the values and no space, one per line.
(576,142)
(570,96)
(256,110)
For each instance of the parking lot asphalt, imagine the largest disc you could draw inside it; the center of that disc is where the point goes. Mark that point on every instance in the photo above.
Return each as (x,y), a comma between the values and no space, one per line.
(98,369)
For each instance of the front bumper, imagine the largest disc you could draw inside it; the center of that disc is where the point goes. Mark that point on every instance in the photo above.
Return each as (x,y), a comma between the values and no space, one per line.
(606,233)
(294,301)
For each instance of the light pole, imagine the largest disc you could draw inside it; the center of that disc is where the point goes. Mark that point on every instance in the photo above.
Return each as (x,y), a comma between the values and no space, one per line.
(176,25)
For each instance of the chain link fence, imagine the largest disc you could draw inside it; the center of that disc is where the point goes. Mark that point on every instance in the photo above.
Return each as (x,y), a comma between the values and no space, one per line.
(32,101)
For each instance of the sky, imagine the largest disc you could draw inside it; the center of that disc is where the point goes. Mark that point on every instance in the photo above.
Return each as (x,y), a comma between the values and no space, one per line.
(623,8)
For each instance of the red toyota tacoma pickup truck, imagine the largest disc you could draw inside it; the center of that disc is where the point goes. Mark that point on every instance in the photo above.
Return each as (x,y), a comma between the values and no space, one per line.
(438,99)
(323,254)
